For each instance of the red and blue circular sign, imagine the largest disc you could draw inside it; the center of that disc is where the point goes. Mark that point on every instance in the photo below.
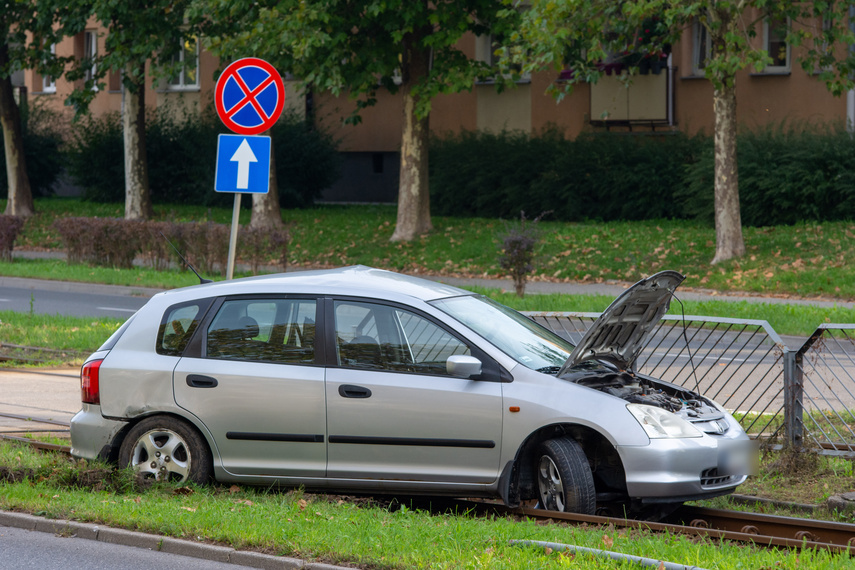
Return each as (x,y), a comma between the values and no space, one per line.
(250,96)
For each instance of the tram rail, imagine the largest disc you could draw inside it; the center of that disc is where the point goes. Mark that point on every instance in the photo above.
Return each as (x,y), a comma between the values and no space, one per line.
(759,529)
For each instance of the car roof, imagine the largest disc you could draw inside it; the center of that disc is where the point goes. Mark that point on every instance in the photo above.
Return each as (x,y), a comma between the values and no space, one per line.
(356,280)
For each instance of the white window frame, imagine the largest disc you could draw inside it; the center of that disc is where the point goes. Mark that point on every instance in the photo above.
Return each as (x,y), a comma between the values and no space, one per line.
(701,48)
(48,82)
(767,39)
(179,81)
(486,47)
(90,51)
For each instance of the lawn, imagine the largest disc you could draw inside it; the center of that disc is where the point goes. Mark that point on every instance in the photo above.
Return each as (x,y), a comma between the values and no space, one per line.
(807,260)
(372,533)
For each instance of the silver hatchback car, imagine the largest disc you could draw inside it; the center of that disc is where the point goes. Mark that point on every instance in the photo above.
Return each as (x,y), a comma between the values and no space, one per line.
(363,380)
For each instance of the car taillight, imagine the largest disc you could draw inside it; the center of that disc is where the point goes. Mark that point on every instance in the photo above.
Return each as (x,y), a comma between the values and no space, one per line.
(89,386)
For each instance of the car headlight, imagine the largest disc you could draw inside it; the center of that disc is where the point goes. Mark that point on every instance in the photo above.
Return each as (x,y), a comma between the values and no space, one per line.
(661,424)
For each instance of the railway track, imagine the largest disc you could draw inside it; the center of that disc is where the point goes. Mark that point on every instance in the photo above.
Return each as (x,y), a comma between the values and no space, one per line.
(760,529)
(11,435)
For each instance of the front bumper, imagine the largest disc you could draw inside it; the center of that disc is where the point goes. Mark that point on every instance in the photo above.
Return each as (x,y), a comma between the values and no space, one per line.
(685,469)
(92,435)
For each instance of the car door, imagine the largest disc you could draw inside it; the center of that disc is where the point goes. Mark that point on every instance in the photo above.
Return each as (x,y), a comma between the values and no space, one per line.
(258,385)
(394,413)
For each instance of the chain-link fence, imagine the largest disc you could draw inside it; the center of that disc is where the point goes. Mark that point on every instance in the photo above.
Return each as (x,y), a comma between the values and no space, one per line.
(795,396)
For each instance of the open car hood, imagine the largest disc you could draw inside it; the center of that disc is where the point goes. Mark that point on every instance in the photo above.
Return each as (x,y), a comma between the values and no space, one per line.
(621,331)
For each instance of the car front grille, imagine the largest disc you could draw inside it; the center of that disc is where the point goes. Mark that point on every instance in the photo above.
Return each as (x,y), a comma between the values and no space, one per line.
(711,478)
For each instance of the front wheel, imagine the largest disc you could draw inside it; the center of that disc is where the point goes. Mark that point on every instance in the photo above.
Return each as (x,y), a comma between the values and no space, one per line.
(164,448)
(564,479)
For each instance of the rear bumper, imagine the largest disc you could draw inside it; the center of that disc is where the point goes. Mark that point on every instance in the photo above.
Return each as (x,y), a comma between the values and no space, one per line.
(92,435)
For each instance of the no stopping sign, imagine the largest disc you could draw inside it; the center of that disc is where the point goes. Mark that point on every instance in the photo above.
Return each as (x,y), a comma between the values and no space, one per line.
(250,96)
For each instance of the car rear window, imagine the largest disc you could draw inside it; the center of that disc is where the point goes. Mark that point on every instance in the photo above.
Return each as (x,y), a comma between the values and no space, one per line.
(178,325)
(264,330)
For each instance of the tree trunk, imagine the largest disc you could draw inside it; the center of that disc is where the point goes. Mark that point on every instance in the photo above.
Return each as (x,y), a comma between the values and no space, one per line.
(413,192)
(728,222)
(265,207)
(137,192)
(20,195)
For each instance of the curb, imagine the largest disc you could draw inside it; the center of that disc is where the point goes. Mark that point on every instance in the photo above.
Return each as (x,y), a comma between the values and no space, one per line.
(122,537)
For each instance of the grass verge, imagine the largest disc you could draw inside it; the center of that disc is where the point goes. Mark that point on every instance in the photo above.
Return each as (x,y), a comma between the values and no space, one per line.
(807,260)
(376,534)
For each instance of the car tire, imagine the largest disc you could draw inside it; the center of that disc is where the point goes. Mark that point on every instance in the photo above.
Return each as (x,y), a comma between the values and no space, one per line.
(163,448)
(564,479)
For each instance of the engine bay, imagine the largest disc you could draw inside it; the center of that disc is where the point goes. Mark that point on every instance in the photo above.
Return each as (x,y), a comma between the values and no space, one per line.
(644,390)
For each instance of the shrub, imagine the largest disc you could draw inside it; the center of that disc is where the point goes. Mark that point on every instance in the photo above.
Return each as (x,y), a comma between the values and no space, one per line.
(262,245)
(518,247)
(110,242)
(181,148)
(43,137)
(602,176)
(206,245)
(10,227)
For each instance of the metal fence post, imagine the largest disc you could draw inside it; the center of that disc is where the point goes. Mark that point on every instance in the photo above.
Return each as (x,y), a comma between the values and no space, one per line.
(793,394)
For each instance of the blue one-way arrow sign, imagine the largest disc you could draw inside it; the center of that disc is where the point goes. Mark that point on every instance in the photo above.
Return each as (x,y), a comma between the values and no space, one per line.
(243,164)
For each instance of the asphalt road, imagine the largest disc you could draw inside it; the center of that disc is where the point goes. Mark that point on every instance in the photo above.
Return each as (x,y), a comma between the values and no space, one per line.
(21,549)
(71,299)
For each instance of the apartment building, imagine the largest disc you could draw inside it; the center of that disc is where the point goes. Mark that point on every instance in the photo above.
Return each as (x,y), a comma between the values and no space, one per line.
(672,95)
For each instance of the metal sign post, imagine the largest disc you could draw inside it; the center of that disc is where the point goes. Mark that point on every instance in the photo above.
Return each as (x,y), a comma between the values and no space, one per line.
(230,271)
(249,98)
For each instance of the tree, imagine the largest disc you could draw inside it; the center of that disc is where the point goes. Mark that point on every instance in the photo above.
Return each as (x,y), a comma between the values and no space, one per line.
(582,33)
(29,29)
(360,46)
(139,33)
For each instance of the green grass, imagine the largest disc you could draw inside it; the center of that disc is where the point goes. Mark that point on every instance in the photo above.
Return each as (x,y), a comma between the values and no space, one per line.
(807,260)
(342,529)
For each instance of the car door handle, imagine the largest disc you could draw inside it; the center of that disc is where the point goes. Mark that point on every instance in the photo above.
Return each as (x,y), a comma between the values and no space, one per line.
(351,391)
(200,381)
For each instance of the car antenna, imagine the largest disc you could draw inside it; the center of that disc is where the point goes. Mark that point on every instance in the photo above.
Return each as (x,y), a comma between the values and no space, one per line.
(202,280)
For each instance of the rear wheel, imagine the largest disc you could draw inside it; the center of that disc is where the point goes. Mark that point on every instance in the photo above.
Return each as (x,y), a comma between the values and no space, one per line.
(164,448)
(564,479)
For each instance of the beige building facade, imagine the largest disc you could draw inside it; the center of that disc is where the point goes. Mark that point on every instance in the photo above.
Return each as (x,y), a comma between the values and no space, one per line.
(674,97)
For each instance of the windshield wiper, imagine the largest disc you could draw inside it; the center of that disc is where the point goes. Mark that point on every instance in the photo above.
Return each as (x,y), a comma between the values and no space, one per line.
(549,369)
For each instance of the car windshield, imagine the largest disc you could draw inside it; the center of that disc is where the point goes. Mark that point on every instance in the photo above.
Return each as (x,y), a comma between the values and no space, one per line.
(514,334)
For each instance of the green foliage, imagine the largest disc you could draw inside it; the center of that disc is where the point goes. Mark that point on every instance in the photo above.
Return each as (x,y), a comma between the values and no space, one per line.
(357,47)
(518,245)
(182,151)
(600,176)
(786,176)
(307,161)
(43,133)
(95,158)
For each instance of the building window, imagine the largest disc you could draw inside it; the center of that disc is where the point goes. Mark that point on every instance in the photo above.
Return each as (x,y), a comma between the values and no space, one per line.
(775,43)
(90,52)
(48,82)
(187,76)
(701,48)
(490,48)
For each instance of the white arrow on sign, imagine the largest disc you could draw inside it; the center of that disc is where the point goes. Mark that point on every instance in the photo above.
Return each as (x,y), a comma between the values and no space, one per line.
(243,156)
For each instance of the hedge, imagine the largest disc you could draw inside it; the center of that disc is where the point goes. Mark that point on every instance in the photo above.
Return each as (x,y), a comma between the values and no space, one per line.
(786,175)
(181,148)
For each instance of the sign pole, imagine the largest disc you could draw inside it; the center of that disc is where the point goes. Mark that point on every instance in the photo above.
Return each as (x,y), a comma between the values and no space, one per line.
(233,237)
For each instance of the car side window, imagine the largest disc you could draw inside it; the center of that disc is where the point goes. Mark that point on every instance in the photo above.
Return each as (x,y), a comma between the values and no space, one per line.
(382,337)
(264,330)
(178,324)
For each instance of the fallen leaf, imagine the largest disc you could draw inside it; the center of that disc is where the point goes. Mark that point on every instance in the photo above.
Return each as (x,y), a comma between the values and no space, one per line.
(608,541)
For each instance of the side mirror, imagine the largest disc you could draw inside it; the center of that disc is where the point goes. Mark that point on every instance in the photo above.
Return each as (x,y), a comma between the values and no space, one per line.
(463,366)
